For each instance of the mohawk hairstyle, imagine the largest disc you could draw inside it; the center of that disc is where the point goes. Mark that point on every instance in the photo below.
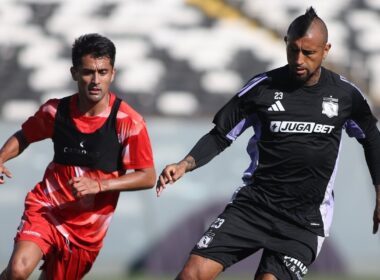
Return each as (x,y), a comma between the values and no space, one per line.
(301,24)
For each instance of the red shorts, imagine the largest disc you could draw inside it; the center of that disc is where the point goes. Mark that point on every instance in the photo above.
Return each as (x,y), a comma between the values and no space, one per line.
(62,260)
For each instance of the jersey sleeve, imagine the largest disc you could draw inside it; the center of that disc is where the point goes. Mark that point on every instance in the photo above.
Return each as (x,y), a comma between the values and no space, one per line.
(237,114)
(209,146)
(367,133)
(137,150)
(230,122)
(41,125)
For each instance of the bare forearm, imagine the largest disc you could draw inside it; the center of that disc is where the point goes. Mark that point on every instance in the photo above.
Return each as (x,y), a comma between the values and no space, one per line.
(188,162)
(14,146)
(137,180)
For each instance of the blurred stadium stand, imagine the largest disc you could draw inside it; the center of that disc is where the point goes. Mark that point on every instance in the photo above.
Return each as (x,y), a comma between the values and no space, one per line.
(174,57)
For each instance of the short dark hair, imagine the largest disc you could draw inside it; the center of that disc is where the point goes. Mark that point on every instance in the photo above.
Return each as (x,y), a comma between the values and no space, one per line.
(95,45)
(301,24)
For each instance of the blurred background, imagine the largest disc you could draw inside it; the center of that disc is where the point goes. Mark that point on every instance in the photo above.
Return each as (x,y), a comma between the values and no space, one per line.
(178,62)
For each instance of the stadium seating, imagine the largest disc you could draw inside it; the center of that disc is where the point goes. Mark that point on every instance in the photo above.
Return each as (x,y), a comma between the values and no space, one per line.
(174,57)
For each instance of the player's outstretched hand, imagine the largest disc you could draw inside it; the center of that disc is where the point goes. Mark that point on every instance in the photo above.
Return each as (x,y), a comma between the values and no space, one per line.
(170,175)
(4,171)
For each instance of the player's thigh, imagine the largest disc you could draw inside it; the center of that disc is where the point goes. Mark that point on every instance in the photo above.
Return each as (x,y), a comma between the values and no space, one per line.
(228,240)
(281,266)
(25,257)
(234,235)
(198,267)
(67,261)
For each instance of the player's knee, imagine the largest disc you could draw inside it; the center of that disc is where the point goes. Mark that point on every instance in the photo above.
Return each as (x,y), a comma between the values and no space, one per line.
(200,268)
(19,270)
(195,273)
(189,273)
(266,276)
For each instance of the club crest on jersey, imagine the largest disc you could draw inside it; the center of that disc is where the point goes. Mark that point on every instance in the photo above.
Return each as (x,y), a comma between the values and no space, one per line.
(330,106)
(205,240)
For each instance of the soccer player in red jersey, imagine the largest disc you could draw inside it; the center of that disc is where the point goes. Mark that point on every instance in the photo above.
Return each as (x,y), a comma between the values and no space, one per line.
(97,137)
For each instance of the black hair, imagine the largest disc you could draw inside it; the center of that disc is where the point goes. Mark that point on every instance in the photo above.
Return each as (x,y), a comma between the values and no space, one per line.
(301,24)
(95,45)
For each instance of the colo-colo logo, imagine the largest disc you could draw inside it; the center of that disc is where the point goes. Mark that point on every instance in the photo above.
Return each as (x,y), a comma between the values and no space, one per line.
(300,127)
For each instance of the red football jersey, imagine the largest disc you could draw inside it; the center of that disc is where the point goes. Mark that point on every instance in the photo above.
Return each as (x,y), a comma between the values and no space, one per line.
(84,221)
